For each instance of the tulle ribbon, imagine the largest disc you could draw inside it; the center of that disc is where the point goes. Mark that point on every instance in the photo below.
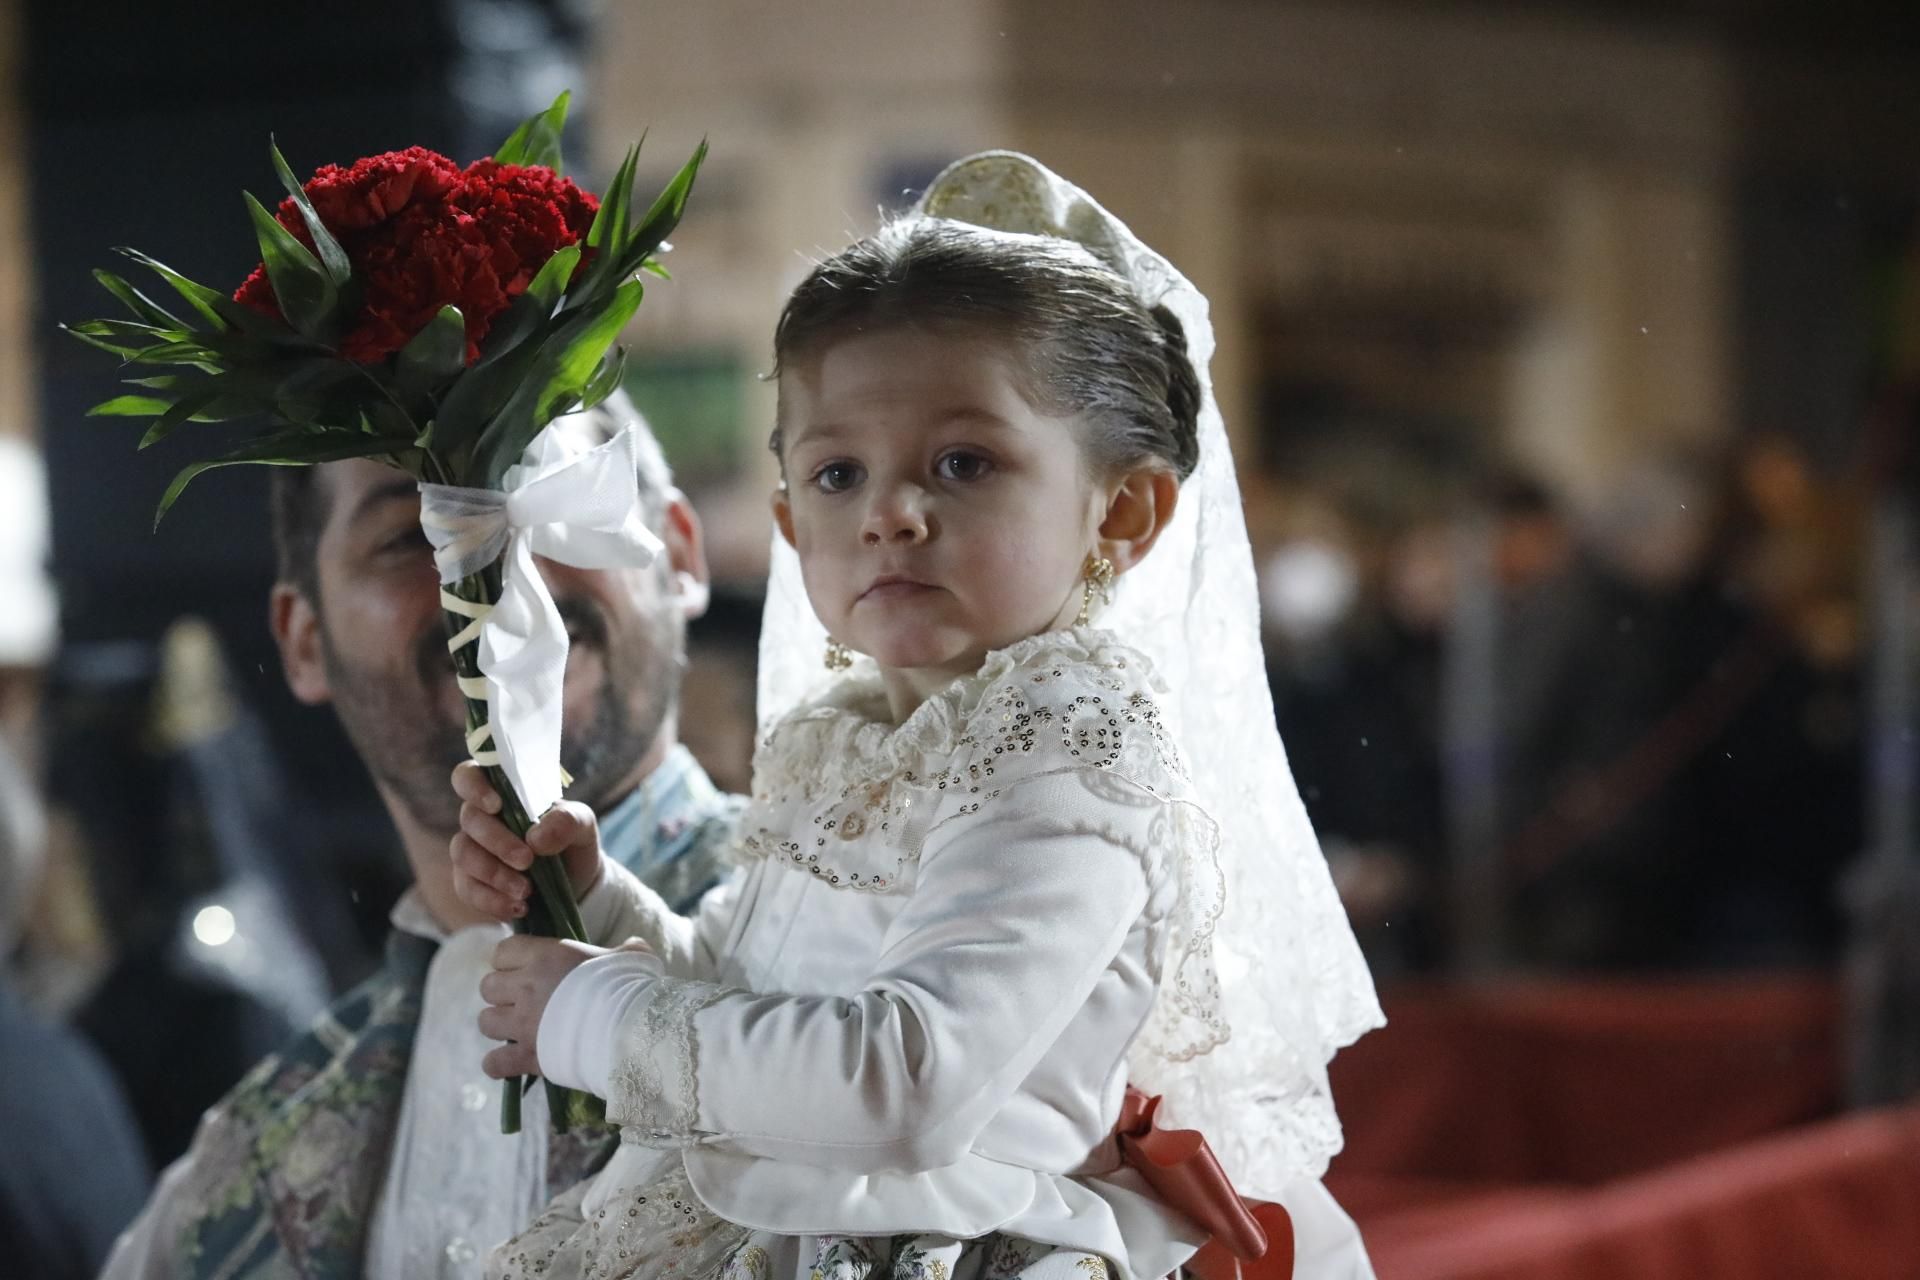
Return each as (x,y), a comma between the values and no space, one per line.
(580,508)
(1251,1239)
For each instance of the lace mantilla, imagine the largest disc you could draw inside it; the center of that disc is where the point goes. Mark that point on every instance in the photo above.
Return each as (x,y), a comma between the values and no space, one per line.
(655,1095)
(1295,987)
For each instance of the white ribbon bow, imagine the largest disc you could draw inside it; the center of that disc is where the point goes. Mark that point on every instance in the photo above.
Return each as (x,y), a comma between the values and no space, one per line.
(579,508)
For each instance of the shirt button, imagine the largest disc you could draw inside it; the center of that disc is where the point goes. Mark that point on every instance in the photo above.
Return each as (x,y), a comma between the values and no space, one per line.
(460,1252)
(473,1097)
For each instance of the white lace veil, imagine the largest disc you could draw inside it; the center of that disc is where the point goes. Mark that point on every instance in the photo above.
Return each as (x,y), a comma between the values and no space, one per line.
(1293,986)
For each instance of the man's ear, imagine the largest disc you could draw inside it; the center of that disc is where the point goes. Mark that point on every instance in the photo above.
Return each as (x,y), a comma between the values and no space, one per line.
(686,555)
(295,624)
(783,515)
(1138,512)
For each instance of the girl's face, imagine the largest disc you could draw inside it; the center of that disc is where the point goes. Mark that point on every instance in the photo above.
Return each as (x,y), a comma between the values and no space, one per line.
(937,514)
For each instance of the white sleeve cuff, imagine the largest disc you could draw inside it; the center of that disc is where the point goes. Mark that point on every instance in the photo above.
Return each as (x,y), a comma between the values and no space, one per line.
(580,1030)
(655,1093)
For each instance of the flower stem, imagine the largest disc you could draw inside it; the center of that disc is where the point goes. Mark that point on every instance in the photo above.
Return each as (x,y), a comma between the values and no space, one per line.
(552,911)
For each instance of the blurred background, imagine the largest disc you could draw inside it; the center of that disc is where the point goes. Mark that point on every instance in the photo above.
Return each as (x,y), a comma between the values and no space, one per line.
(1571,354)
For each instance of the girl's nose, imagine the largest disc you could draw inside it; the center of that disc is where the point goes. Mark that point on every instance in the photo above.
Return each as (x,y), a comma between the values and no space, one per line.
(897,515)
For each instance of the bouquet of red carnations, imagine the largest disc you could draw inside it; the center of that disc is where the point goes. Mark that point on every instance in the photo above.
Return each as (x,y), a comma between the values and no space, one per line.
(436,319)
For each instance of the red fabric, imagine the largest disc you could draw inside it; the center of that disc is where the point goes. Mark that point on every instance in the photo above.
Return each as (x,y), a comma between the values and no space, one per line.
(1581,1082)
(1836,1199)
(1582,1131)
(1251,1239)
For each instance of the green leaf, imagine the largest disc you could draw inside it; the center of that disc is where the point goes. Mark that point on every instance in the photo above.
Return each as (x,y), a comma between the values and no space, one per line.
(435,354)
(130,407)
(132,331)
(137,302)
(610,222)
(297,447)
(550,282)
(470,404)
(112,348)
(386,418)
(653,267)
(332,256)
(607,237)
(321,390)
(203,300)
(307,296)
(222,313)
(178,415)
(183,352)
(537,140)
(126,348)
(561,371)
(606,379)
(664,216)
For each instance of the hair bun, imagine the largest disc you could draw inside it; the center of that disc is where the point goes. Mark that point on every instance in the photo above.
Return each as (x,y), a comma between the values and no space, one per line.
(1183,389)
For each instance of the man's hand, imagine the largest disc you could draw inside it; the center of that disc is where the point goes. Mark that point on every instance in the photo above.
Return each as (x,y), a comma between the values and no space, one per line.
(489,861)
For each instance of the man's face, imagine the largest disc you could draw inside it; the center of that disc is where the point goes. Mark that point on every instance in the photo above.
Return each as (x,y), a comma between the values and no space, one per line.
(374,644)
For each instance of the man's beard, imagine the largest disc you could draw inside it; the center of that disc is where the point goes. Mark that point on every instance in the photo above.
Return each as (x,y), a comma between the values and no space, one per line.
(397,722)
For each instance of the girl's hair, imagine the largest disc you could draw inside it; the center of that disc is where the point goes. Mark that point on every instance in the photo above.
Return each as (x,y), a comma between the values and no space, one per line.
(1085,344)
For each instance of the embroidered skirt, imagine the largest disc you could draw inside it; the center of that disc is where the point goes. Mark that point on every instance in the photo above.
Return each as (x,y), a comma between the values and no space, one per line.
(660,1230)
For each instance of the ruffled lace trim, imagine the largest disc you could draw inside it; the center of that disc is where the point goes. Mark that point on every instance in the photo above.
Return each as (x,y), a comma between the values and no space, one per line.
(844,795)
(655,1098)
(842,740)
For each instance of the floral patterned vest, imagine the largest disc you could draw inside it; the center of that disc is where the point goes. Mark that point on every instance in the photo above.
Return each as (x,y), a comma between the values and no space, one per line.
(288,1166)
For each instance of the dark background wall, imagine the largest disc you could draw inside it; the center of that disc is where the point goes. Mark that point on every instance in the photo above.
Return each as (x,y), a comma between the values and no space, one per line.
(145,124)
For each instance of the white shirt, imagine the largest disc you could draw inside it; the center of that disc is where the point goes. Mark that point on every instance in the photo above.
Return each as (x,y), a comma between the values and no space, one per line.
(455,1185)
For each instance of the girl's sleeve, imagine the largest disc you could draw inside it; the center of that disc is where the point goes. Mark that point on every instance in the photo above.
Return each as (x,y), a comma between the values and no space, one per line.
(573,1042)
(1016,913)
(622,906)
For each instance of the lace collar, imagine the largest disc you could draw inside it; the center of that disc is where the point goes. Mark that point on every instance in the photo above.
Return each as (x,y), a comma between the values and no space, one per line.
(845,732)
(846,795)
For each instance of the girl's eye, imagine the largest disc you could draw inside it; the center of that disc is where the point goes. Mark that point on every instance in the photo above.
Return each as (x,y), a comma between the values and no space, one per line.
(962,465)
(837,477)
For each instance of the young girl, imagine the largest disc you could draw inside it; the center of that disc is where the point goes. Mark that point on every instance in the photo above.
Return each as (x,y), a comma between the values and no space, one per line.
(981,890)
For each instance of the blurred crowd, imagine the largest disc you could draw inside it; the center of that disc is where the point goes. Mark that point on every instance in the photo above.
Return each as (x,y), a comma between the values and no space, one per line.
(1663,768)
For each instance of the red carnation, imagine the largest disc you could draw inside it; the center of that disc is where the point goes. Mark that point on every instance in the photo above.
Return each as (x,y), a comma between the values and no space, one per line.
(420,235)
(374,190)
(432,257)
(527,213)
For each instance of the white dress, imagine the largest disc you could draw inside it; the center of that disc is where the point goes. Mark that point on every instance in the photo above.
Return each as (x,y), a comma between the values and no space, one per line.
(896,1044)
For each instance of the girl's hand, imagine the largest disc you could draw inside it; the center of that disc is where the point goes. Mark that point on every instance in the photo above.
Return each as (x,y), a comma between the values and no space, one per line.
(489,860)
(526,972)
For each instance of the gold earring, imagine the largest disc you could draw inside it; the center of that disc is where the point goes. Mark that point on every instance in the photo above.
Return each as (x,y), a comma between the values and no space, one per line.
(1096,580)
(838,657)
